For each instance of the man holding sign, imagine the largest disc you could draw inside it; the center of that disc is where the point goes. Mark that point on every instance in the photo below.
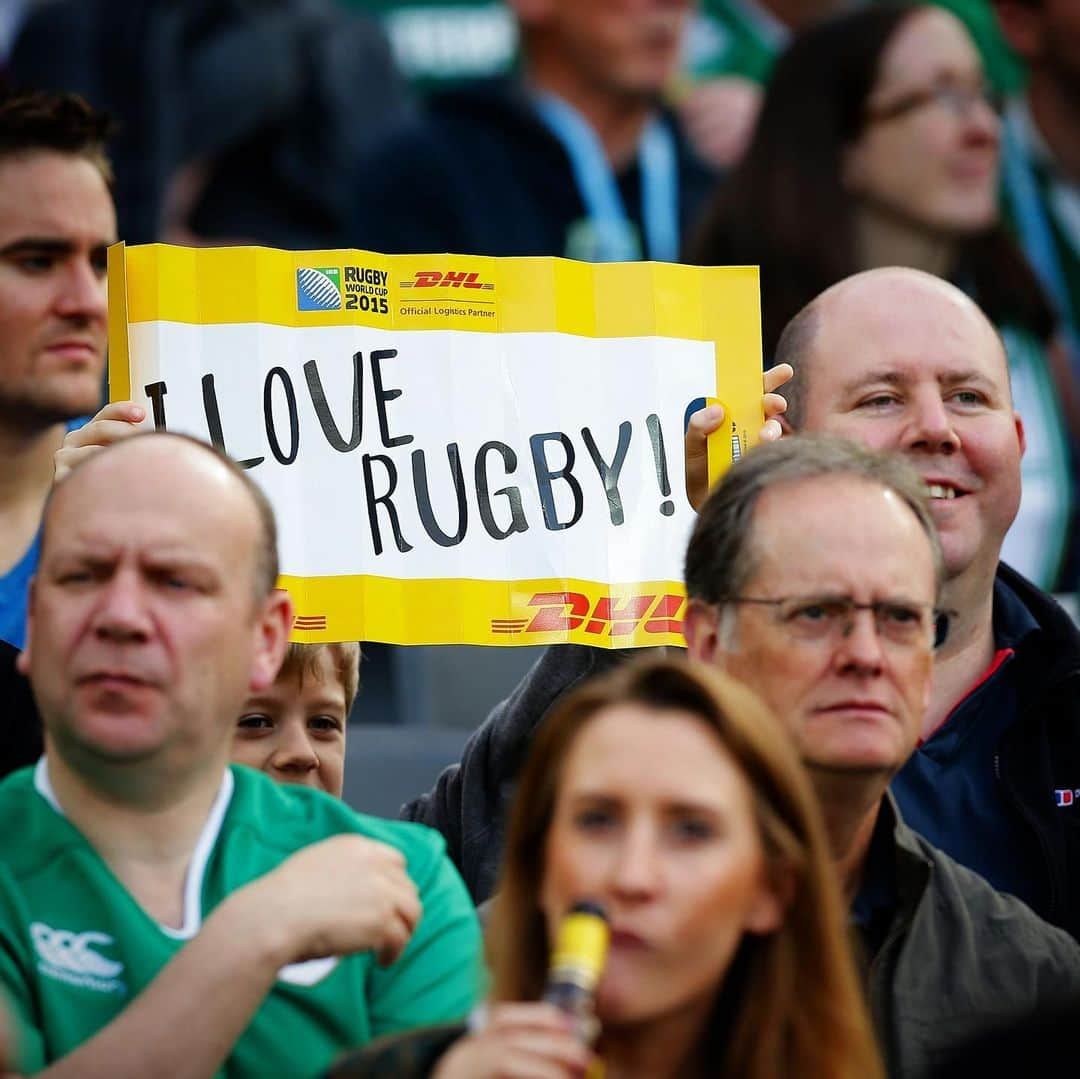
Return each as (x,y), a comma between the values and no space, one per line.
(148,892)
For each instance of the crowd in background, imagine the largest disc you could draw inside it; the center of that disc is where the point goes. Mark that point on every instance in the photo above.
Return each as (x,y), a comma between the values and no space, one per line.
(867,865)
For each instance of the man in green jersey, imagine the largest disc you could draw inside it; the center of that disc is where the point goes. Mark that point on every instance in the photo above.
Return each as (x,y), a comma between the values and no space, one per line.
(160,912)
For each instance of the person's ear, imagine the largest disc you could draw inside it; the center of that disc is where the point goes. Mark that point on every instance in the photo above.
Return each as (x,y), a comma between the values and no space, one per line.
(1021,436)
(22,660)
(701,628)
(770,906)
(272,638)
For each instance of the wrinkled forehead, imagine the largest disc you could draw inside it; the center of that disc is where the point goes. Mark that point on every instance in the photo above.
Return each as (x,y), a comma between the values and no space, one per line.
(840,534)
(154,495)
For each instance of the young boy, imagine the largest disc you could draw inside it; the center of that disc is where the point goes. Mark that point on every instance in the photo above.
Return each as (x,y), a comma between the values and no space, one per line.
(295,730)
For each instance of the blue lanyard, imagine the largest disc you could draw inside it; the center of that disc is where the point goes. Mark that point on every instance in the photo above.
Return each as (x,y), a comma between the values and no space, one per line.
(615,239)
(1036,234)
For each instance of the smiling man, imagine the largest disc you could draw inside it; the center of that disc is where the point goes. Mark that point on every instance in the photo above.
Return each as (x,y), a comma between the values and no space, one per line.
(147,889)
(903,361)
(56,221)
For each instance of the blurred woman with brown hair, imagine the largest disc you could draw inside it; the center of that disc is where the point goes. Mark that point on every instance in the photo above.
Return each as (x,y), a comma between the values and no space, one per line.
(670,796)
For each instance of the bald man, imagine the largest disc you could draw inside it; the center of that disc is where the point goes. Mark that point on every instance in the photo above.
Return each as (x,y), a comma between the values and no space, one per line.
(903,361)
(148,891)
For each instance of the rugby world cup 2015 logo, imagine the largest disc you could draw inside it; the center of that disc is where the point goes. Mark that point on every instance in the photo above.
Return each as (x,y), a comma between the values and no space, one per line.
(318,288)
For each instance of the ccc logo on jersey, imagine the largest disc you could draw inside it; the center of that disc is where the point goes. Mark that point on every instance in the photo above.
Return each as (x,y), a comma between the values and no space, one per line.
(73,953)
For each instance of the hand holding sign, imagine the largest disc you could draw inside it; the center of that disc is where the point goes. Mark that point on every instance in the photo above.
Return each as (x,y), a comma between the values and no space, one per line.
(117,420)
(707,421)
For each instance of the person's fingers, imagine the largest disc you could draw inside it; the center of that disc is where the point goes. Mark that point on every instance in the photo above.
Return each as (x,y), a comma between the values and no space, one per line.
(399,917)
(532,1014)
(405,899)
(394,936)
(99,433)
(122,410)
(379,852)
(696,451)
(771,431)
(707,419)
(539,1062)
(773,404)
(66,458)
(776,376)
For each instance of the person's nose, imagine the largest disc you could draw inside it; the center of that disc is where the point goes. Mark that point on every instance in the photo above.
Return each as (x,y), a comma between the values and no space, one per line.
(636,868)
(982,125)
(82,292)
(294,754)
(859,648)
(930,426)
(121,613)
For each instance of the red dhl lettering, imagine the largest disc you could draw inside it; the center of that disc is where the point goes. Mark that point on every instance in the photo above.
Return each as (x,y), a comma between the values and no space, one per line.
(450,279)
(563,611)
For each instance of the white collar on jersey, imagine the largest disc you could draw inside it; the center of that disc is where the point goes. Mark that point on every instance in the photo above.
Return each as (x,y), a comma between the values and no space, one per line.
(193,882)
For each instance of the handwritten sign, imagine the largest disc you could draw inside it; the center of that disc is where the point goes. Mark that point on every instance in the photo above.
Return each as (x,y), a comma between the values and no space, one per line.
(458,450)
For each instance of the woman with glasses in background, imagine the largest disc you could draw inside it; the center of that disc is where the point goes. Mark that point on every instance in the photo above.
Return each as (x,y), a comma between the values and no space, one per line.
(878,145)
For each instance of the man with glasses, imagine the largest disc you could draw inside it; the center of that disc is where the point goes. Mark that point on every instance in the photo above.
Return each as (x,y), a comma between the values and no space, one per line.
(814,574)
(902,361)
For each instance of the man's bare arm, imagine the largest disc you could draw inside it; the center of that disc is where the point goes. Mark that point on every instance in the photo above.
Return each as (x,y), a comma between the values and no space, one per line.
(343,895)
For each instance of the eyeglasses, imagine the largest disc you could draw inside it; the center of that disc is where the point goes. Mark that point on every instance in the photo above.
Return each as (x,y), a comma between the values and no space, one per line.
(957,100)
(816,618)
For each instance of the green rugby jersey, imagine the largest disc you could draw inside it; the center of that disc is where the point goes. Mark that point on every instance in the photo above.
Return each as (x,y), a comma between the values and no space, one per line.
(75,947)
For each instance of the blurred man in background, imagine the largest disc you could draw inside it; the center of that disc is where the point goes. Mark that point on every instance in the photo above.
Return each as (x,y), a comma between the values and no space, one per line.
(574,157)
(56,222)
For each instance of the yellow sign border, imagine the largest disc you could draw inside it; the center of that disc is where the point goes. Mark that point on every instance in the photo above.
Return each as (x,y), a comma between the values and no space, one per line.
(216,286)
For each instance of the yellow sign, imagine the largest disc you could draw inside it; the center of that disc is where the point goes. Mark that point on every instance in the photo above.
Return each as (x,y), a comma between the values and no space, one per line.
(459,450)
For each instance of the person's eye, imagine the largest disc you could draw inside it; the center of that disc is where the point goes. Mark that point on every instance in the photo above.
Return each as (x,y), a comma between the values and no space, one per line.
(73,577)
(879,401)
(324,724)
(254,721)
(900,619)
(968,397)
(900,613)
(693,830)
(814,611)
(174,581)
(99,263)
(35,263)
(594,820)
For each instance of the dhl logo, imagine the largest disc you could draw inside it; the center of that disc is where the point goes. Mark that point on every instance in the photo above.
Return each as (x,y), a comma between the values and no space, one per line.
(449,279)
(563,611)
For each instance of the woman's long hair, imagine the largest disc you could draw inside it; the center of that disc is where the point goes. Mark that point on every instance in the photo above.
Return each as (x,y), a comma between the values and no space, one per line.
(797,1008)
(785,207)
